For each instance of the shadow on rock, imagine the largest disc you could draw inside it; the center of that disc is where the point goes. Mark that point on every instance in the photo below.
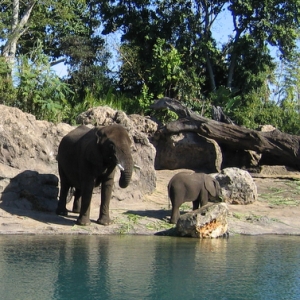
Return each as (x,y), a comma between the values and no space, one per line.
(33,195)
(168,232)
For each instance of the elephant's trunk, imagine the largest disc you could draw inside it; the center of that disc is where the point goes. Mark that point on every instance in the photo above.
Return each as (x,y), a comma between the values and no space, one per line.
(126,167)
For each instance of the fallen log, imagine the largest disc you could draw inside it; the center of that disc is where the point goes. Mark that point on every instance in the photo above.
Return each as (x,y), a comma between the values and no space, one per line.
(283,148)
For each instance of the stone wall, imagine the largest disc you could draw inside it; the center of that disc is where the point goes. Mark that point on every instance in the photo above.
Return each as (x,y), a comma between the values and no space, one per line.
(27,144)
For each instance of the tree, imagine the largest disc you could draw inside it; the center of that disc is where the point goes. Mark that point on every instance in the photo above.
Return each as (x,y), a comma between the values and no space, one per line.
(274,23)
(243,63)
(178,23)
(18,26)
(68,31)
(51,21)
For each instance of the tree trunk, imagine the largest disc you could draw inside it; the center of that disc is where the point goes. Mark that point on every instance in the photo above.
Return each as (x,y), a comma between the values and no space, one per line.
(210,72)
(17,29)
(233,55)
(283,148)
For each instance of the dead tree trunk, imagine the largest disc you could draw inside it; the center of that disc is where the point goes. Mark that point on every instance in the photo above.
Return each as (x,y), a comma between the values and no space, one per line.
(283,148)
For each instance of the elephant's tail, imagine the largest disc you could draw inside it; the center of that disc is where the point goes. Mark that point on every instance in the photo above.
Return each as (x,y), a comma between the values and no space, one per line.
(168,196)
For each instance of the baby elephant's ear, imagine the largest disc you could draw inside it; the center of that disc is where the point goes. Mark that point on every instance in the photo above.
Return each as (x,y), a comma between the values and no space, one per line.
(210,185)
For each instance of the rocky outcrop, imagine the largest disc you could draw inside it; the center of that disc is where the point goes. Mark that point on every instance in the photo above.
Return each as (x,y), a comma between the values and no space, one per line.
(28,149)
(27,143)
(244,159)
(275,171)
(210,221)
(238,187)
(187,150)
(31,190)
(104,115)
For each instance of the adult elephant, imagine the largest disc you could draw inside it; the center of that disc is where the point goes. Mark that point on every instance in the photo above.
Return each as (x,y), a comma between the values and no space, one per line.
(87,158)
(192,186)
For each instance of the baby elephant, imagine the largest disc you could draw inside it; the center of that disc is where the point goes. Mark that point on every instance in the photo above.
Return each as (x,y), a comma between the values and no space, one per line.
(191,186)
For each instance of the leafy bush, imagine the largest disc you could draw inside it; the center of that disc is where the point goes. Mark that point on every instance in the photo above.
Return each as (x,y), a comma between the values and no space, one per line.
(251,111)
(39,90)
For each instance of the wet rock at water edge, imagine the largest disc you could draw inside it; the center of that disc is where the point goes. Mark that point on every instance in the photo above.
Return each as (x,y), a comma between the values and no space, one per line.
(210,221)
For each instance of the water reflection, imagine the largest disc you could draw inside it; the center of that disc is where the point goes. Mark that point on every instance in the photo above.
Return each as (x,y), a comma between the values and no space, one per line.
(138,267)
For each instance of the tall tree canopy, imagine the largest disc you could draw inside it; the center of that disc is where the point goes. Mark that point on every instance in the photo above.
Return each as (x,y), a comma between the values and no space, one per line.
(68,31)
(60,25)
(188,27)
(167,48)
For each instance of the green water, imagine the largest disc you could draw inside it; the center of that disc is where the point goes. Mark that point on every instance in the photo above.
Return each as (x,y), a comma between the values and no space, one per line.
(142,267)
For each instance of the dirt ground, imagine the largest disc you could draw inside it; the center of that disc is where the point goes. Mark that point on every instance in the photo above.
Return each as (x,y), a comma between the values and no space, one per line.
(277,211)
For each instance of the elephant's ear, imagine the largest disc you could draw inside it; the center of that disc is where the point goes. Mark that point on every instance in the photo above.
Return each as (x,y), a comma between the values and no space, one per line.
(100,134)
(211,185)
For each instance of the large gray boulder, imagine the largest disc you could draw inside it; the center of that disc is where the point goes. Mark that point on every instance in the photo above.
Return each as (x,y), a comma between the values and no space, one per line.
(187,150)
(209,221)
(238,186)
(27,144)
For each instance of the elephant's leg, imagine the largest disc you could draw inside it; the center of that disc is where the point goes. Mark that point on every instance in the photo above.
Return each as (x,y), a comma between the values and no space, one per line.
(203,197)
(62,202)
(86,197)
(176,201)
(106,192)
(77,201)
(196,204)
(175,214)
(177,198)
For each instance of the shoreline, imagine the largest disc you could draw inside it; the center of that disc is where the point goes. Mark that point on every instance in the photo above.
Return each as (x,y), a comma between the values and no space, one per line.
(148,216)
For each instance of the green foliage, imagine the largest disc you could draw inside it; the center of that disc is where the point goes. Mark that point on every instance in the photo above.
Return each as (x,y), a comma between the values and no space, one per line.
(168,76)
(167,49)
(223,97)
(129,225)
(110,99)
(159,225)
(253,65)
(145,100)
(252,110)
(201,106)
(291,117)
(39,91)
(287,194)
(272,21)
(57,24)
(7,90)
(143,107)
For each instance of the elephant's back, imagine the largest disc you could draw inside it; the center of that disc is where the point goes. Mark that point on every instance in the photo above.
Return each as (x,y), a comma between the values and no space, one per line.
(179,181)
(71,143)
(74,137)
(76,134)
(181,176)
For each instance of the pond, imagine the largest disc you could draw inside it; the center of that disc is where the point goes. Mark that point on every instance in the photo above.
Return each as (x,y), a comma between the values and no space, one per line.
(149,267)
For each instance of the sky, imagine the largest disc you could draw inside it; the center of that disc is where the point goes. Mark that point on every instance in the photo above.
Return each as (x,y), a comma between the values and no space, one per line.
(60,70)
